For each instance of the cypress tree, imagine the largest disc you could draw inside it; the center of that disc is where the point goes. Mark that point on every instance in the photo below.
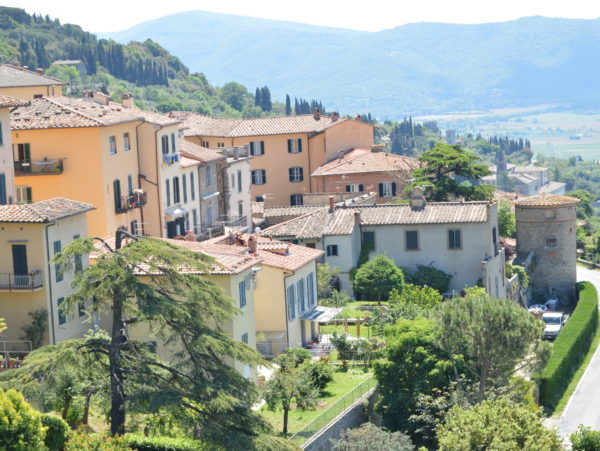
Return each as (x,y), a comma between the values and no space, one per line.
(288,105)
(257,98)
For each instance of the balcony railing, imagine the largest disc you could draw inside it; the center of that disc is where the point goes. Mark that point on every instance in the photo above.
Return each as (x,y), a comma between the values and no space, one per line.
(31,281)
(137,199)
(39,167)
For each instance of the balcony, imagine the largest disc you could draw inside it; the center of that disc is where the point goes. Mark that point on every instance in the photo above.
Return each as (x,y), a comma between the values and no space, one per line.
(39,167)
(18,282)
(137,199)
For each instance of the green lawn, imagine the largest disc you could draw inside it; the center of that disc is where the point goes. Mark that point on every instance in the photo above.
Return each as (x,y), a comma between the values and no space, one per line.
(342,383)
(365,331)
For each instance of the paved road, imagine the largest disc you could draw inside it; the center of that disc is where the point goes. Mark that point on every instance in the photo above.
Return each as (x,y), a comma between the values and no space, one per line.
(584,405)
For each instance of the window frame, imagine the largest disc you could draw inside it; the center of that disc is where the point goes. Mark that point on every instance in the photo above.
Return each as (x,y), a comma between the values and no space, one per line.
(263,176)
(407,240)
(62,314)
(242,292)
(126,142)
(332,250)
(452,241)
(296,199)
(112,144)
(296,174)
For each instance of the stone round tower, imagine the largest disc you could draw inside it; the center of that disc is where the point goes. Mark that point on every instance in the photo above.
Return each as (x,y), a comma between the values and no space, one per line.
(546,228)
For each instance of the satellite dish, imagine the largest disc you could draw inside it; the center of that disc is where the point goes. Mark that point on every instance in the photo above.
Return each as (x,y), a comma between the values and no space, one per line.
(257,229)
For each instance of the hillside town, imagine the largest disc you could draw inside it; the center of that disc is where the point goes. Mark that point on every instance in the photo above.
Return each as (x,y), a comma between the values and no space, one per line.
(287,237)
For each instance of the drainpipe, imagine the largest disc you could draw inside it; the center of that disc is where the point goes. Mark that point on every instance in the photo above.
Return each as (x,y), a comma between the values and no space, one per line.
(309,167)
(287,329)
(137,149)
(53,341)
(158,184)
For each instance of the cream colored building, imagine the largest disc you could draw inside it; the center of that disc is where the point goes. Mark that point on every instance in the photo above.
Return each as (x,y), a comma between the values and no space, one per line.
(7,170)
(30,236)
(27,85)
(286,150)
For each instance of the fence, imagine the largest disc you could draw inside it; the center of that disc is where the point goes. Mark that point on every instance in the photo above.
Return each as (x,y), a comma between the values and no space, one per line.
(333,411)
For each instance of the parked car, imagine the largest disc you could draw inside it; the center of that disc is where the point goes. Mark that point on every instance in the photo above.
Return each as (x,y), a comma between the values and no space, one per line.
(554,323)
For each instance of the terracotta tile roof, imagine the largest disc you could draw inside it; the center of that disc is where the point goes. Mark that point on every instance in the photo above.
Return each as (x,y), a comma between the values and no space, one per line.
(271,252)
(546,200)
(550,187)
(342,221)
(364,160)
(186,162)
(14,76)
(315,225)
(200,153)
(10,102)
(291,211)
(66,112)
(530,169)
(44,211)
(201,125)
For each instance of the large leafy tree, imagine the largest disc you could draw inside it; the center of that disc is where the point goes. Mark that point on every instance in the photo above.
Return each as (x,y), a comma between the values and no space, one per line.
(450,172)
(378,277)
(414,364)
(496,340)
(154,282)
(507,221)
(370,437)
(496,424)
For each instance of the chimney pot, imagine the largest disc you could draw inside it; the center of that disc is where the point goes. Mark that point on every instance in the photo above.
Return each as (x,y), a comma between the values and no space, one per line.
(252,244)
(417,199)
(358,117)
(334,116)
(127,100)
(40,71)
(330,204)
(317,114)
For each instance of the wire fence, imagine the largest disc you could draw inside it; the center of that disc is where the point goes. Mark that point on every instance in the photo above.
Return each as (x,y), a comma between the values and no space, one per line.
(329,414)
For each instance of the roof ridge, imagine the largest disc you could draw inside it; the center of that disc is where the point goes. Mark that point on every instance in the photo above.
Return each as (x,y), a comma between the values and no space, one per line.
(72,110)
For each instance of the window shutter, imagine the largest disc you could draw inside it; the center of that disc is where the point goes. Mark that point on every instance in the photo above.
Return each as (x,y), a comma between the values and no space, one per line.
(117,194)
(27,149)
(168,184)
(3,199)
(451,239)
(252,151)
(361,188)
(29,194)
(1,137)
(291,173)
(457,239)
(173,147)
(381,190)
(264,176)
(192,187)
(130,185)
(301,174)
(184,187)
(262,147)
(253,177)
(299,145)
(348,188)
(393,188)
(289,146)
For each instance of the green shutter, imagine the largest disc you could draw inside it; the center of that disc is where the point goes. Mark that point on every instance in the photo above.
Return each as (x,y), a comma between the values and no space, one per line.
(299,145)
(289,146)
(262,147)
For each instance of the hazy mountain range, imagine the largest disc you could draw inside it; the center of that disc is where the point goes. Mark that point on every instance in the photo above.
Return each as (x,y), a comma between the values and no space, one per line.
(420,68)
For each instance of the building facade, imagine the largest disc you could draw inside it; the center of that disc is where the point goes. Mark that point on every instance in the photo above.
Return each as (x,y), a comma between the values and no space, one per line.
(24,84)
(7,170)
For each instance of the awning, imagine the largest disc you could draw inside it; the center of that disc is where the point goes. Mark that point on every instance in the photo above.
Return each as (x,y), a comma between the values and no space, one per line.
(321,314)
(208,196)
(174,213)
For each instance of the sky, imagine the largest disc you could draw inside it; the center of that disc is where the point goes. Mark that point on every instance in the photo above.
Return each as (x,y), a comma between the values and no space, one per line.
(370,15)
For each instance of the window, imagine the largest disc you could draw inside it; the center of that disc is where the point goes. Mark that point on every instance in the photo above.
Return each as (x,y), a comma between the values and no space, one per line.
(294,145)
(3,190)
(195,220)
(291,302)
(220,144)
(78,261)
(62,315)
(81,307)
(257,148)
(168,192)
(259,177)
(173,143)
(310,281)
(57,267)
(126,144)
(38,96)
(387,189)
(495,240)
(239,177)
(454,239)
(301,299)
(550,214)
(112,142)
(368,239)
(296,199)
(208,176)
(192,187)
(355,188)
(23,194)
(332,250)
(184,188)
(130,185)
(133,227)
(296,174)
(164,139)
(117,194)
(412,240)
(187,221)
(311,245)
(232,178)
(259,198)
(245,337)
(551,241)
(176,193)
(205,144)
(242,288)
(240,209)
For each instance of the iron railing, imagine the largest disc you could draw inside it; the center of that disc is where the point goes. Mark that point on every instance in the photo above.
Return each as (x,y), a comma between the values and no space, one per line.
(37,167)
(333,411)
(31,281)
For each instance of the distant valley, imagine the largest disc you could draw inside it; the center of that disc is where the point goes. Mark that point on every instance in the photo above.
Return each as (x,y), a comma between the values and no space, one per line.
(423,68)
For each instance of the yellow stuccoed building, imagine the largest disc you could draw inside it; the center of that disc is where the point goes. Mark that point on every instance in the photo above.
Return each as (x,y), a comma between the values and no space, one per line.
(25,84)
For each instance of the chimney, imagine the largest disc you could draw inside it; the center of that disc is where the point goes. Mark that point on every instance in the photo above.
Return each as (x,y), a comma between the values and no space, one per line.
(417,199)
(88,96)
(358,118)
(101,98)
(317,114)
(377,147)
(127,100)
(334,116)
(26,67)
(330,204)
(40,71)
(357,217)
(252,244)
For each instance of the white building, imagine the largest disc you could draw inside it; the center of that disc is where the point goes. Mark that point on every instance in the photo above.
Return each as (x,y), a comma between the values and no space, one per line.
(459,238)
(7,172)
(236,210)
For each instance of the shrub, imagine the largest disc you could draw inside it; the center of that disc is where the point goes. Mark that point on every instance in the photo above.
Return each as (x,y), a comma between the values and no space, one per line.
(158,443)
(570,347)
(430,276)
(58,431)
(320,374)
(80,441)
(585,439)
(21,426)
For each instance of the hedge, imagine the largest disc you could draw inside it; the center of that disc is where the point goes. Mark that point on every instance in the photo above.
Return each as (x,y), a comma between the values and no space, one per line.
(158,443)
(570,347)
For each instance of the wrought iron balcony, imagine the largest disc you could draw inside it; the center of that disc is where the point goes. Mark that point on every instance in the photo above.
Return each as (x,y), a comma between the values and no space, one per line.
(137,199)
(31,281)
(39,167)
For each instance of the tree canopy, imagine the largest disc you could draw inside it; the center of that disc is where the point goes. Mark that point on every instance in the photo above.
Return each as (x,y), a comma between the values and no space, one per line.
(370,437)
(378,277)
